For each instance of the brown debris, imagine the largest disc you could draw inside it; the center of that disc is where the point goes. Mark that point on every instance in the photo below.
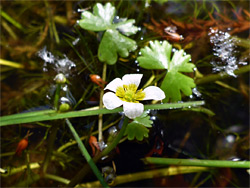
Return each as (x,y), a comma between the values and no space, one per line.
(199,28)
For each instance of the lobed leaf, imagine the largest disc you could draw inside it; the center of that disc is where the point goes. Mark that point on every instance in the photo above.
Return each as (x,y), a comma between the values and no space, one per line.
(155,57)
(144,120)
(158,56)
(114,43)
(135,130)
(126,27)
(174,83)
(100,20)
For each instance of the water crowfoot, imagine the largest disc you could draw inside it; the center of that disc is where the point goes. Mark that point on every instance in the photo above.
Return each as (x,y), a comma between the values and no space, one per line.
(124,93)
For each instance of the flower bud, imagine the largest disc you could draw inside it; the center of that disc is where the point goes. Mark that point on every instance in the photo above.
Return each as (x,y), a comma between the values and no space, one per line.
(60,79)
(64,107)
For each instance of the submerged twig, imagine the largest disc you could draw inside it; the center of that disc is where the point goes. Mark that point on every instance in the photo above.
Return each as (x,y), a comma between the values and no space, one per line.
(51,142)
(150,174)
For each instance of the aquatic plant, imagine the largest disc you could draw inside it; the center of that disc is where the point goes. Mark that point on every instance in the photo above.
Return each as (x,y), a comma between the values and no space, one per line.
(113,42)
(126,94)
(158,56)
(140,131)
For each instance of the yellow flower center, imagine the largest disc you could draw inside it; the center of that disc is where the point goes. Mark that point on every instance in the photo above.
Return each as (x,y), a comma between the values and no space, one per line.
(129,93)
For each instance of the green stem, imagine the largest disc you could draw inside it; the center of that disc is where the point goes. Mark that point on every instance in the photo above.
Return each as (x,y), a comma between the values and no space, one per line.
(85,169)
(56,178)
(73,142)
(198,162)
(53,115)
(101,104)
(11,64)
(86,155)
(11,20)
(57,96)
(220,76)
(12,171)
(117,138)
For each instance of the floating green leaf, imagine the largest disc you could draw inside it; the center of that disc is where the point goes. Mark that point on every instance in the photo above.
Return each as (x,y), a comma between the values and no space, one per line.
(113,42)
(100,20)
(158,56)
(144,119)
(136,130)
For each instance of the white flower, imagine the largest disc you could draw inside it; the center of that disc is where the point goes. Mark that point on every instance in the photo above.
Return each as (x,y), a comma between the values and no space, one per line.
(125,93)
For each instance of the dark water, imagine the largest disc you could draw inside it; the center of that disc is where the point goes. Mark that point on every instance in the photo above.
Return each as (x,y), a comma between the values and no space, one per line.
(215,47)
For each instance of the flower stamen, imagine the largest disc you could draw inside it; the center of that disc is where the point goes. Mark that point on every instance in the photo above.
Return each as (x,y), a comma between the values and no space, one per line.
(129,93)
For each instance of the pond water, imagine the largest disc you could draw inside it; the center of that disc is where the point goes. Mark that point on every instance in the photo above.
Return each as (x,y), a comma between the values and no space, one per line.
(41,39)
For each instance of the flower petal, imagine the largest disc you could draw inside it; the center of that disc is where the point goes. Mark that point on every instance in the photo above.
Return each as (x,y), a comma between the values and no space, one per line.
(133,110)
(132,79)
(153,93)
(111,101)
(114,84)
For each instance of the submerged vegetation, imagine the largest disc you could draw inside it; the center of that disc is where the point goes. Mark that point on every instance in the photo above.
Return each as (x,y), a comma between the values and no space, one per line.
(181,77)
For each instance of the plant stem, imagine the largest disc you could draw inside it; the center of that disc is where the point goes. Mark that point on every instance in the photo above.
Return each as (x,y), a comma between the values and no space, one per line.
(57,96)
(150,174)
(11,20)
(197,162)
(56,178)
(104,71)
(53,115)
(85,169)
(220,76)
(117,138)
(11,64)
(51,141)
(13,171)
(73,142)
(86,155)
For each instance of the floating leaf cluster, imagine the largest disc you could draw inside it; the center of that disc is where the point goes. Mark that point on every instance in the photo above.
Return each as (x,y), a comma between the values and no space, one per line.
(137,129)
(113,42)
(158,56)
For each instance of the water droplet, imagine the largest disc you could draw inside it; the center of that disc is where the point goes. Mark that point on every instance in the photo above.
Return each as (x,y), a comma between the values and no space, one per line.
(76,41)
(235,159)
(142,38)
(230,138)
(153,118)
